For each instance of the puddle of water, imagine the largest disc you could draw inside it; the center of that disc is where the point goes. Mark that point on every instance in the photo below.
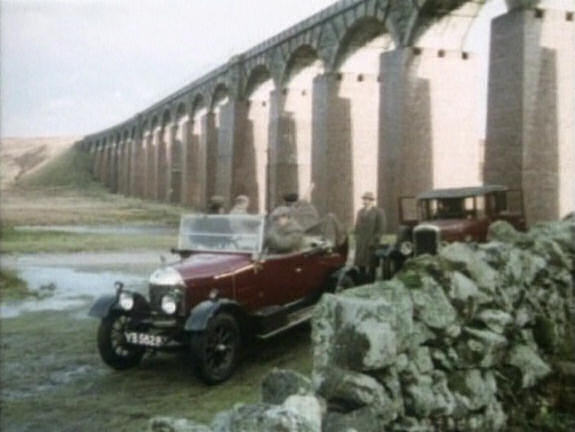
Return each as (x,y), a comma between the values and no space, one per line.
(103,229)
(90,260)
(66,289)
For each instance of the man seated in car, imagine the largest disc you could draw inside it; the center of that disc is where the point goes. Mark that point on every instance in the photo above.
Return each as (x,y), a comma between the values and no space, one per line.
(303,212)
(285,235)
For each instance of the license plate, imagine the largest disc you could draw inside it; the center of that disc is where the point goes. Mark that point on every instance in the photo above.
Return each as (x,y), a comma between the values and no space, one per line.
(145,339)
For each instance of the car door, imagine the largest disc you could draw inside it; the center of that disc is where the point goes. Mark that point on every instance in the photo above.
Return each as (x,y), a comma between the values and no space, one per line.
(282,276)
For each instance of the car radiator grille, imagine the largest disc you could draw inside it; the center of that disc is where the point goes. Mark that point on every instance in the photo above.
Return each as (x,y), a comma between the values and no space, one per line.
(426,240)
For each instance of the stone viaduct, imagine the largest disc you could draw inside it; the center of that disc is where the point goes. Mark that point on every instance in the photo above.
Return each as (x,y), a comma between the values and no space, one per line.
(379,95)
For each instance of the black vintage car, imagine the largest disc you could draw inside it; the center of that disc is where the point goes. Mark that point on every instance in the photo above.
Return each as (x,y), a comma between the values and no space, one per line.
(449,215)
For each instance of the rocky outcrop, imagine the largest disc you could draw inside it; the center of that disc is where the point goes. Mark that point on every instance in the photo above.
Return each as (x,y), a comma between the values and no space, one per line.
(451,343)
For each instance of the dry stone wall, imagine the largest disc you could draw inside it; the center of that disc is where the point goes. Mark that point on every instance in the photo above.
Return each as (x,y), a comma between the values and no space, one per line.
(458,341)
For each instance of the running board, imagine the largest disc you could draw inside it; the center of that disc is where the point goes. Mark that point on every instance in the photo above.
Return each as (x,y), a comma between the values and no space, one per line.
(294,319)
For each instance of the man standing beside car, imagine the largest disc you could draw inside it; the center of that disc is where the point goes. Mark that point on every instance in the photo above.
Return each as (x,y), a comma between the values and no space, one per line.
(369,227)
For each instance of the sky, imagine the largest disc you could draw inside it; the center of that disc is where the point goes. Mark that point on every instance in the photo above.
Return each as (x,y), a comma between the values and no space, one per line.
(73,67)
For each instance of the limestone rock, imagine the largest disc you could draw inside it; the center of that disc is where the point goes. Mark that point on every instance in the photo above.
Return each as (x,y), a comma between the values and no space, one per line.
(355,332)
(367,345)
(503,232)
(364,419)
(495,320)
(463,258)
(529,363)
(482,348)
(261,418)
(279,384)
(473,389)
(420,400)
(432,306)
(308,407)
(169,424)
(352,390)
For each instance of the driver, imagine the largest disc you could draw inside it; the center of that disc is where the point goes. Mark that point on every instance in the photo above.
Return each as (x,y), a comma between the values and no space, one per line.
(285,234)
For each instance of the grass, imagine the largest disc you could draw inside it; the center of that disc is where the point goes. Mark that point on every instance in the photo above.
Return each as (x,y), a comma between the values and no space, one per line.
(69,388)
(64,192)
(11,286)
(69,169)
(14,241)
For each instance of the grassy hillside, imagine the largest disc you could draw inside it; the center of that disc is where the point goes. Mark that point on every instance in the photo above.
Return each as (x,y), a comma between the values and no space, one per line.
(54,186)
(22,156)
(70,168)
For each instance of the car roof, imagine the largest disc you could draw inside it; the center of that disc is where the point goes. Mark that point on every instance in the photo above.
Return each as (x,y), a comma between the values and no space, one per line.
(461,192)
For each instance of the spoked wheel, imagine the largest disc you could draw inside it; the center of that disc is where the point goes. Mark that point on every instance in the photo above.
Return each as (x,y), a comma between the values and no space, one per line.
(215,351)
(112,345)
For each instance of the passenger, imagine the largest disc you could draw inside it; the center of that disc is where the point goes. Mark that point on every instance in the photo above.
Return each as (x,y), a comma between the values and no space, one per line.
(303,212)
(285,234)
(215,205)
(241,204)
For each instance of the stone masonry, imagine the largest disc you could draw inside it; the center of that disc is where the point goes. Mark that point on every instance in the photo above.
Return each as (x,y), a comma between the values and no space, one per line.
(376,95)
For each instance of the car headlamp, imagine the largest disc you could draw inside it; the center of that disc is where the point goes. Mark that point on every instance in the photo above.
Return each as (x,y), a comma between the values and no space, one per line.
(126,301)
(169,304)
(406,248)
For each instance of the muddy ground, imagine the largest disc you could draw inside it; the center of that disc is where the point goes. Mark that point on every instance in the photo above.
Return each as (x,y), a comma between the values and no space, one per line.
(54,380)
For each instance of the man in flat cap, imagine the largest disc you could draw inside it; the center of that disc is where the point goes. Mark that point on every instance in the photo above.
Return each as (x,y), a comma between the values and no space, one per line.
(285,234)
(369,227)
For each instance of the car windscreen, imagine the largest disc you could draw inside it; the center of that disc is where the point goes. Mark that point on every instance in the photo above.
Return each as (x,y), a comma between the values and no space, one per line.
(446,208)
(227,233)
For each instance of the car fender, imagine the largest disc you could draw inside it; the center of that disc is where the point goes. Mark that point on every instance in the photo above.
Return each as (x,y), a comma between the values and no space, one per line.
(202,312)
(105,304)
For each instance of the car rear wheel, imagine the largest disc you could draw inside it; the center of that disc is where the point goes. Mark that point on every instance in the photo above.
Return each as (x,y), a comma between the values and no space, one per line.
(112,344)
(215,351)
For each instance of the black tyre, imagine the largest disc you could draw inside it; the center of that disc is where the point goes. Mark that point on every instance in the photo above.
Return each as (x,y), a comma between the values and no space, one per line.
(112,345)
(344,283)
(388,268)
(215,351)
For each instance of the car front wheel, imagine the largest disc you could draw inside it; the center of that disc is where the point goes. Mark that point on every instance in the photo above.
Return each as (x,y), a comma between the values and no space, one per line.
(215,351)
(112,344)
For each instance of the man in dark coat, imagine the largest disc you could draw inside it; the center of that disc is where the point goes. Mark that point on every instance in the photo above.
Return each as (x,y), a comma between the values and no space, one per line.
(369,227)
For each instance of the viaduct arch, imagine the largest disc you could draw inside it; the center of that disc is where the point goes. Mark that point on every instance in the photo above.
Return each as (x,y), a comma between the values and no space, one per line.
(378,95)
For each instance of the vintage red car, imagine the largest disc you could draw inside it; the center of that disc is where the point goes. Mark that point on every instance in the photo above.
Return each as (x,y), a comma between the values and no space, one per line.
(225,289)
(449,215)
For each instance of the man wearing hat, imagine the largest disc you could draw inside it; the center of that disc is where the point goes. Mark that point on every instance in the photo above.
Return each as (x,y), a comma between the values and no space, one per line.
(303,212)
(285,234)
(216,205)
(241,204)
(369,227)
